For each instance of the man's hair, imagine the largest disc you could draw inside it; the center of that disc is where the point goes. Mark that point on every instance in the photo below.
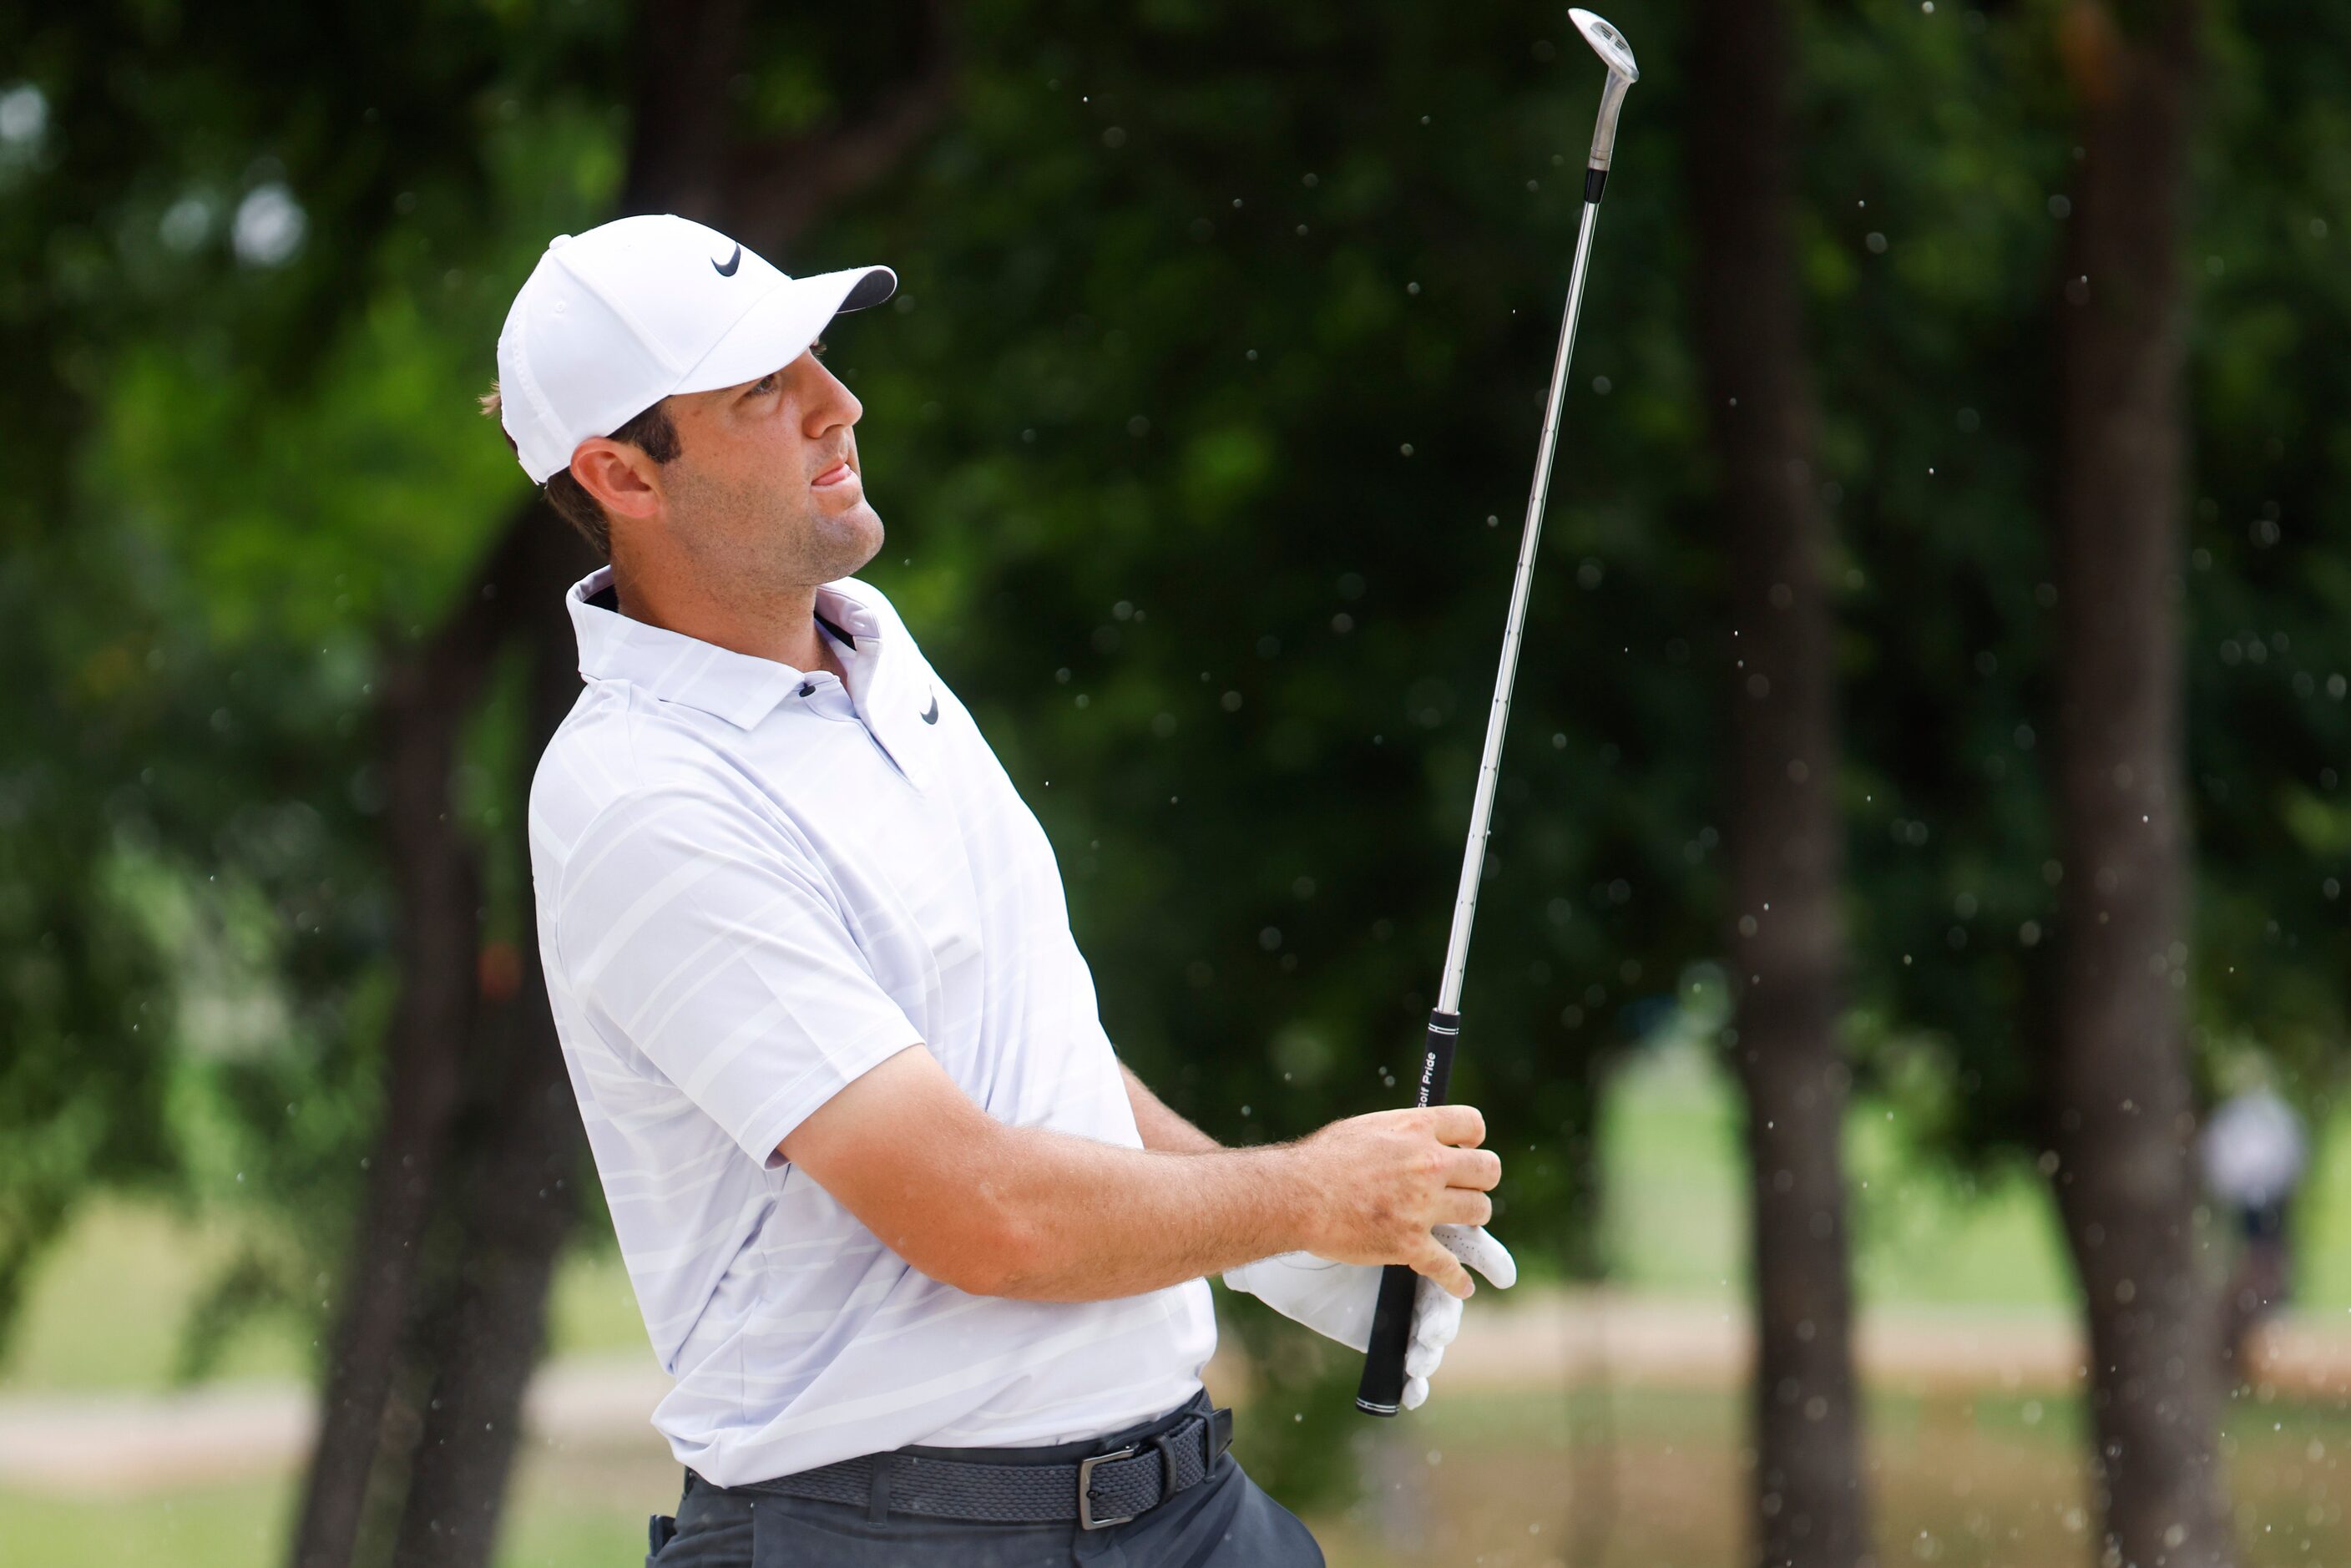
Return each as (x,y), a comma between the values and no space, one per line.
(651,433)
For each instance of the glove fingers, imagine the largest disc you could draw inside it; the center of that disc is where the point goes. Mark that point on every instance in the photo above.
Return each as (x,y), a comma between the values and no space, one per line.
(1478,1251)
(1437,1316)
(1437,1312)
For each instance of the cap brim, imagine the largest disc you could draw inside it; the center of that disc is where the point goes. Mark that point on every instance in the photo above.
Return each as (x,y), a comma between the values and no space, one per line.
(779,328)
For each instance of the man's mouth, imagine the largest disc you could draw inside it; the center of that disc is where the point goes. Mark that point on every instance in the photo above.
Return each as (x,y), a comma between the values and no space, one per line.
(840,473)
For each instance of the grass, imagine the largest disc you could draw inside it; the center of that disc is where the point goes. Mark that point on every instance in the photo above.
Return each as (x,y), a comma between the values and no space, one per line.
(1924,1236)
(83,1329)
(1648,1478)
(1677,1207)
(1641,1478)
(1678,1204)
(1627,1477)
(195,1527)
(1676,1213)
(575,1507)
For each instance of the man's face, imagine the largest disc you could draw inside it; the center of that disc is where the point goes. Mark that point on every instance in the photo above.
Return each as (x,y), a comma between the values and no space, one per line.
(766,487)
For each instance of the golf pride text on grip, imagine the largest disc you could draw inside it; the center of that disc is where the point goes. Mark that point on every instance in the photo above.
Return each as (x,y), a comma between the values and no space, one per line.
(1380,1392)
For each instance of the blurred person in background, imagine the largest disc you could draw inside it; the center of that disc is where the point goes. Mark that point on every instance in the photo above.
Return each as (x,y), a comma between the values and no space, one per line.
(2253,1153)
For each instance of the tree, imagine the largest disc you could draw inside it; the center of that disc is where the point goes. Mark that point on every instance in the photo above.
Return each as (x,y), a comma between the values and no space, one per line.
(1784,828)
(322,651)
(126,117)
(2121,1103)
(424,1384)
(424,1391)
(1222,333)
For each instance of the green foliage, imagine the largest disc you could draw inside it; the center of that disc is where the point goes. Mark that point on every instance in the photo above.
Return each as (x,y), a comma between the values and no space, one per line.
(1202,425)
(249,468)
(1301,1437)
(1934,378)
(1203,429)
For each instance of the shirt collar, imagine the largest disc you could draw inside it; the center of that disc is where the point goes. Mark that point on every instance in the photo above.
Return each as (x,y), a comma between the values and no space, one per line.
(893,688)
(743,690)
(675,668)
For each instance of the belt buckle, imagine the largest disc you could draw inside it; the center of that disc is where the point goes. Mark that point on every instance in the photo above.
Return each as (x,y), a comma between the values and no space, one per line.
(1086,1519)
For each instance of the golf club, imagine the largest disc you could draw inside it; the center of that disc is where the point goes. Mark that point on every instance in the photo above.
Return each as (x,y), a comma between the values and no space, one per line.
(1380,1392)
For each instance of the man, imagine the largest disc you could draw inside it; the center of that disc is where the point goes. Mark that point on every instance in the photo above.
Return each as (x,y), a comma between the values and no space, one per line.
(926,1261)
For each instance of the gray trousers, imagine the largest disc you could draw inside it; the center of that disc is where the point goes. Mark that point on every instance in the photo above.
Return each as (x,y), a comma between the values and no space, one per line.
(1226,1521)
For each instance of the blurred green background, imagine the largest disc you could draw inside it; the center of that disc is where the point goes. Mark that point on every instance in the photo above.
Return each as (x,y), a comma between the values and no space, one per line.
(1201,427)
(1626,1467)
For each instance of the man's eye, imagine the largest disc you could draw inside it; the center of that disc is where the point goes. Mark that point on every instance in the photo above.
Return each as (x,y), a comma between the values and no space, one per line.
(765,384)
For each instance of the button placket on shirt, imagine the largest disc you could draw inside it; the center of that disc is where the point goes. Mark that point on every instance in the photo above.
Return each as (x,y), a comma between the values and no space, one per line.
(828,699)
(825,695)
(863,660)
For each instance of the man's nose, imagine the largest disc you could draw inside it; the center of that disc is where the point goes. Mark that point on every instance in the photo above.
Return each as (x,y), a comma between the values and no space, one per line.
(833,404)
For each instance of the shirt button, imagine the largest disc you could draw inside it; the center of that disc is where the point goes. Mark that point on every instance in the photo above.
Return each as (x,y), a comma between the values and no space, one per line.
(807,686)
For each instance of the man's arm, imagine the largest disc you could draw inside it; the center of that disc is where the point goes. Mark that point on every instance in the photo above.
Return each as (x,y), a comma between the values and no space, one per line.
(1162,1128)
(1045,1216)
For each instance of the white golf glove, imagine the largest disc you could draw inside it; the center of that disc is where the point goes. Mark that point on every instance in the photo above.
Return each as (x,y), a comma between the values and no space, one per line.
(1337,1300)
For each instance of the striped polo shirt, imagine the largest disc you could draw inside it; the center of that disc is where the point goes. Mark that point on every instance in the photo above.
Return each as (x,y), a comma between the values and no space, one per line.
(754,883)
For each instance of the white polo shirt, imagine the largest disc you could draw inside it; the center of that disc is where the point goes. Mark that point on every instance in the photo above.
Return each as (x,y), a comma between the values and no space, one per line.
(754,884)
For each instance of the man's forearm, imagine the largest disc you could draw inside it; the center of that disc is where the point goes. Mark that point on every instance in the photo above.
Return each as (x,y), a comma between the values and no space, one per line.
(1000,1211)
(1085,1221)
(1161,1128)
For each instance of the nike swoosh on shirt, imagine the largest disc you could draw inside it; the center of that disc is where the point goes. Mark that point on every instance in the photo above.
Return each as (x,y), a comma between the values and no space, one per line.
(932,716)
(732,263)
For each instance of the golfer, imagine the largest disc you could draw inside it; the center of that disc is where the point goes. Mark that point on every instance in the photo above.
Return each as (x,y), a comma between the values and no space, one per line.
(926,1261)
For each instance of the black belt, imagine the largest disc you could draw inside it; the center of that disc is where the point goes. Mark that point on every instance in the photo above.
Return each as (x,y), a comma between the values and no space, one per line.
(1098,1491)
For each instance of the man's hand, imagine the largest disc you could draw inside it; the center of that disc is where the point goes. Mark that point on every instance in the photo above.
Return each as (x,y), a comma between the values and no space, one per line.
(1337,1300)
(1385,1181)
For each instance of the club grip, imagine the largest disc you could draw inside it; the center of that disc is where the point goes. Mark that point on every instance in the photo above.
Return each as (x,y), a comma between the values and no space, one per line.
(1381,1393)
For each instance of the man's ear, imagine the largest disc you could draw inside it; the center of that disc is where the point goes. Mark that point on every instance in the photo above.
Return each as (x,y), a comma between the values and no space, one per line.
(622,478)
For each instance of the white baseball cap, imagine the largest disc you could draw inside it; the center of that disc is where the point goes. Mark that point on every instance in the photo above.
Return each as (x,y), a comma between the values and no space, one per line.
(611,322)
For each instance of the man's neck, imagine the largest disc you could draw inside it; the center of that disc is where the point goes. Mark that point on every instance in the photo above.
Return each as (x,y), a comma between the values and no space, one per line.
(780,627)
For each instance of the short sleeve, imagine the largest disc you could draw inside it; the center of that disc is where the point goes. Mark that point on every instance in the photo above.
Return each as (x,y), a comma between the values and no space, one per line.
(704,936)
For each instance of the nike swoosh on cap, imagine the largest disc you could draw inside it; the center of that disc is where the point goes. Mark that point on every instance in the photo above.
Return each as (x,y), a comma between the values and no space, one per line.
(732,263)
(932,715)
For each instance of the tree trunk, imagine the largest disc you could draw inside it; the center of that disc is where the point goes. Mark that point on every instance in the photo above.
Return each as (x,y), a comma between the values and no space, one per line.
(522,1149)
(385,1310)
(425,1389)
(678,144)
(2122,1116)
(437,883)
(1784,833)
(520,1203)
(690,52)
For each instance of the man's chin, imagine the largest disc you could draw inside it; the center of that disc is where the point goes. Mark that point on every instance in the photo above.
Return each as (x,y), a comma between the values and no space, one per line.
(852,540)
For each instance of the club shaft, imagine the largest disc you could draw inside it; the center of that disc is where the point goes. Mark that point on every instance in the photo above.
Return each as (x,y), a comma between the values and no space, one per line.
(1489,770)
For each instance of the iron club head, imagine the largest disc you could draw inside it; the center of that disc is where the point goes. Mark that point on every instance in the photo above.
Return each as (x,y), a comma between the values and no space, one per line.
(1607,43)
(1623,72)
